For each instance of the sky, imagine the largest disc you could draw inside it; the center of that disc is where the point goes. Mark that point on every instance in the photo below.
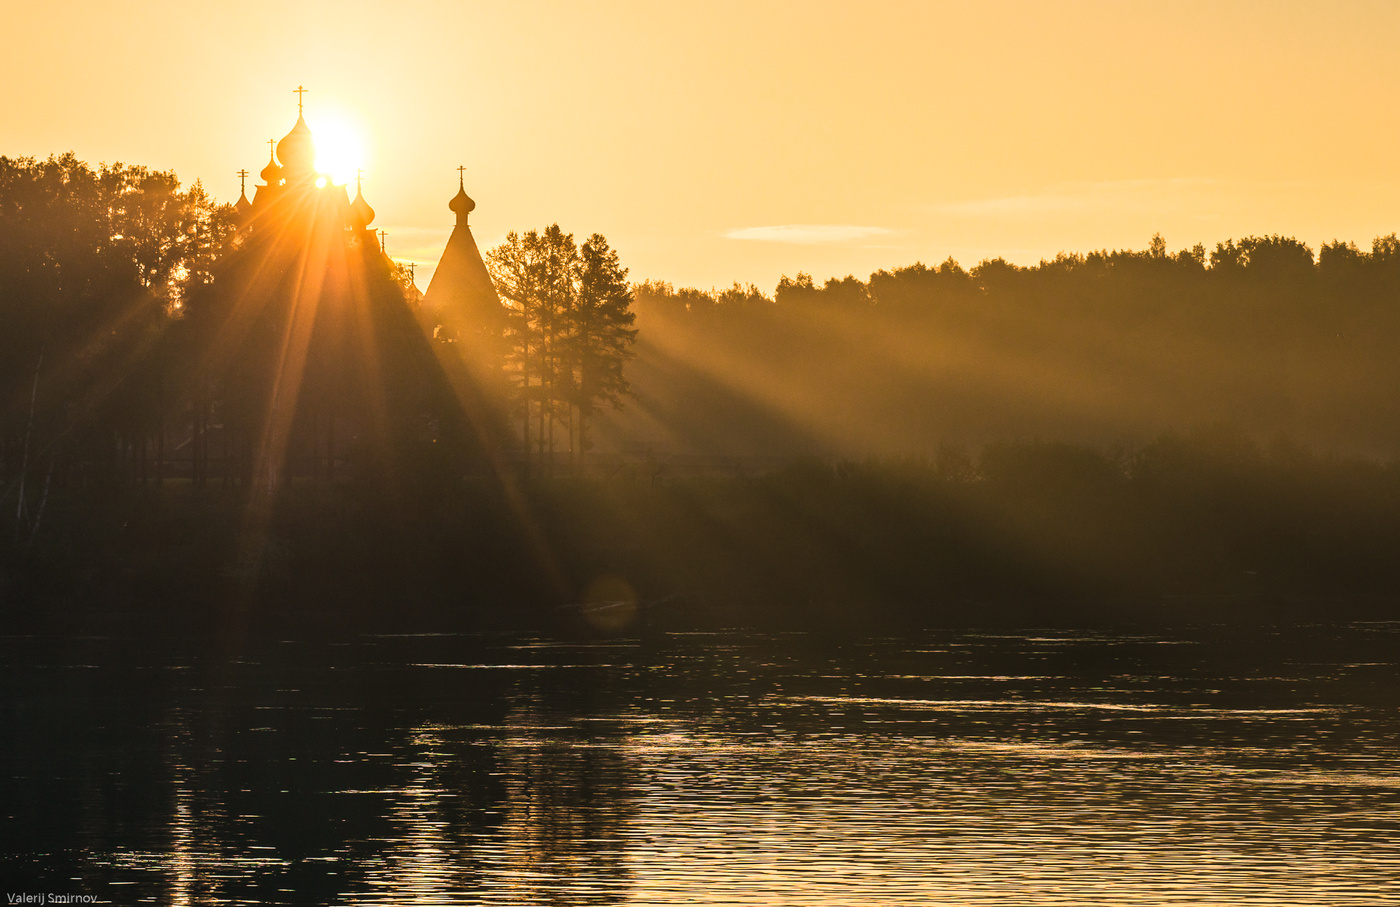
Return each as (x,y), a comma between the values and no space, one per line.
(714,142)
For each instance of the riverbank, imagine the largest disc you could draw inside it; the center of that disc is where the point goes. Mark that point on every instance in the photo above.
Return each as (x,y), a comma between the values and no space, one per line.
(1045,535)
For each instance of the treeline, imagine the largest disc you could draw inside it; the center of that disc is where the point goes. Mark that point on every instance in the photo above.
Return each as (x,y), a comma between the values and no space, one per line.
(145,335)
(95,264)
(149,333)
(141,323)
(1110,346)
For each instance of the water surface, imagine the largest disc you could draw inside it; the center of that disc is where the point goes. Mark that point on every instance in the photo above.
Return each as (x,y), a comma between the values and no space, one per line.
(1039,768)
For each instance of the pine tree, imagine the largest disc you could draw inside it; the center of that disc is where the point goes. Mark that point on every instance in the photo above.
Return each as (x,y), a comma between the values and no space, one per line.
(600,335)
(569,330)
(537,274)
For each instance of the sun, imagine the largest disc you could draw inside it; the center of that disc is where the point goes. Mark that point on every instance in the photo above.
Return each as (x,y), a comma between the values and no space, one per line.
(339,149)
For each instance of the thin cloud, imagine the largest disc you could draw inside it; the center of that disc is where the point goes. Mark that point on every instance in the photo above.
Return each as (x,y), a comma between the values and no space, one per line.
(809,234)
(416,243)
(1075,198)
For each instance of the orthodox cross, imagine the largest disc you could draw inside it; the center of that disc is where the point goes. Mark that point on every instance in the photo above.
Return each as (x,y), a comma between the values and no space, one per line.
(411,274)
(299,92)
(243,180)
(460,178)
(359,175)
(382,234)
(271,147)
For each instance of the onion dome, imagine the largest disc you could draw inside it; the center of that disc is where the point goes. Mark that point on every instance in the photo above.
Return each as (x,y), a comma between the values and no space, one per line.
(297,150)
(361,214)
(461,204)
(243,206)
(271,173)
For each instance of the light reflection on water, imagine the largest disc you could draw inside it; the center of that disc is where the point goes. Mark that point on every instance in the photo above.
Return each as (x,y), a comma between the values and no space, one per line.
(951,768)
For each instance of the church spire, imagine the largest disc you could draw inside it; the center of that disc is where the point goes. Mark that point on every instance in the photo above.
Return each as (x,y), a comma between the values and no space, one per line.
(297,150)
(461,203)
(242,206)
(461,295)
(271,173)
(361,214)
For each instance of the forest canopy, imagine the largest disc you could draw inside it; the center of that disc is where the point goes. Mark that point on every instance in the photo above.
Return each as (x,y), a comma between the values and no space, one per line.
(1106,347)
(1115,421)
(94,264)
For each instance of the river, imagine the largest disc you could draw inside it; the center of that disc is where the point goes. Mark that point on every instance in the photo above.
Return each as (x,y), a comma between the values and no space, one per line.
(1193,767)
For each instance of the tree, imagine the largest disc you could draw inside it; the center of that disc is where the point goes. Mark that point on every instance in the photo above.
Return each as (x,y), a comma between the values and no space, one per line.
(795,291)
(94,267)
(536,274)
(600,334)
(568,328)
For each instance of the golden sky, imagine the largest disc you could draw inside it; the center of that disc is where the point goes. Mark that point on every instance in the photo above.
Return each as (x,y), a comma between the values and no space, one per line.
(716,141)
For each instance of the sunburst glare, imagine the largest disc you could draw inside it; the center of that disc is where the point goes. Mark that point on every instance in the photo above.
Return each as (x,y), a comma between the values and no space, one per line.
(340,150)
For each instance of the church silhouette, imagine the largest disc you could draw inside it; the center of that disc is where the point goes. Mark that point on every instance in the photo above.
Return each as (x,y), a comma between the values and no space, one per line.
(318,357)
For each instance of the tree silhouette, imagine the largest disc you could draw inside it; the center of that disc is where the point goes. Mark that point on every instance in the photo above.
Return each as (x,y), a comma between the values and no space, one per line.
(600,335)
(95,267)
(568,327)
(533,272)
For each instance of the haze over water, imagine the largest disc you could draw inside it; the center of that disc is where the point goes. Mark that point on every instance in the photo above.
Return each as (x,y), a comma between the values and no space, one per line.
(1036,768)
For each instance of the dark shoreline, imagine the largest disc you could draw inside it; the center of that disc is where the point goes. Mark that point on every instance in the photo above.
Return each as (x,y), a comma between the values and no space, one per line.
(814,546)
